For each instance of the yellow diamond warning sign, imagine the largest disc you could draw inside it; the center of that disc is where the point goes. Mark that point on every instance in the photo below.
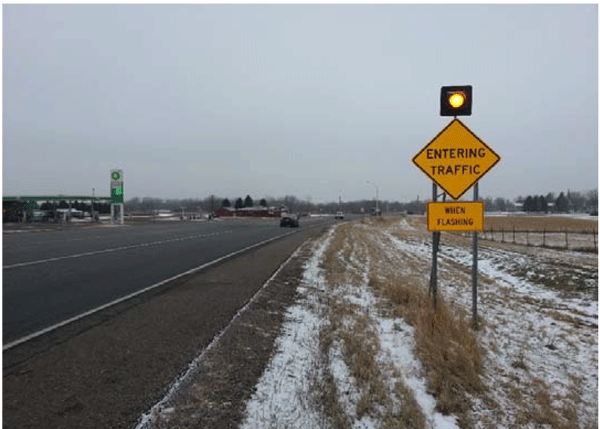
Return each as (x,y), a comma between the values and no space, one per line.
(457,216)
(456,159)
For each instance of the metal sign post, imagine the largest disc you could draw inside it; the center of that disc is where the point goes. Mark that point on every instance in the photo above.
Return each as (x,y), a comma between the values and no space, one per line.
(434,248)
(474,268)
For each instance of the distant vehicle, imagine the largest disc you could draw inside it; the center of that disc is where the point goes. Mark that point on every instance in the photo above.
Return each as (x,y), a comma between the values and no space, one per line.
(339,215)
(71,213)
(10,215)
(40,216)
(289,220)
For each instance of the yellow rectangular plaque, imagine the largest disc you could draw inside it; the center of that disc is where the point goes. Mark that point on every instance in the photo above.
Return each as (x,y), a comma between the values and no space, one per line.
(455,216)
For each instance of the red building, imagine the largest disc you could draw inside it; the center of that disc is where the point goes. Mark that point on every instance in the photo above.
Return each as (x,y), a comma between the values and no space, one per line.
(251,212)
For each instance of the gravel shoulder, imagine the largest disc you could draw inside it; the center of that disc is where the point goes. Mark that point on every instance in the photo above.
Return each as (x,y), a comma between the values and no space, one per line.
(214,391)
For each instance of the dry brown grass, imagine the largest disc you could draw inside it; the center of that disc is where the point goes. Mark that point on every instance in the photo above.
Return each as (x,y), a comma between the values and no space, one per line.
(323,383)
(537,404)
(445,344)
(336,261)
(410,414)
(325,390)
(568,319)
(539,223)
(360,346)
(541,410)
(355,333)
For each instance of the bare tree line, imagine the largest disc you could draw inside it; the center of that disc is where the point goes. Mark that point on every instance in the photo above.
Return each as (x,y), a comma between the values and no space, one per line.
(578,202)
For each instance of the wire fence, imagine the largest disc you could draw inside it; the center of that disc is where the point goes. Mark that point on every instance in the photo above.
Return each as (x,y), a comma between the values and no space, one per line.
(561,239)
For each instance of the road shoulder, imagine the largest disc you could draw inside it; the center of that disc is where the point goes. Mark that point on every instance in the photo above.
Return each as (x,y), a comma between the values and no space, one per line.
(214,391)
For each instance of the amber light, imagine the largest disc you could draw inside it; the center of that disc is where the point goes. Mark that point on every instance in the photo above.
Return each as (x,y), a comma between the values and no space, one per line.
(457,99)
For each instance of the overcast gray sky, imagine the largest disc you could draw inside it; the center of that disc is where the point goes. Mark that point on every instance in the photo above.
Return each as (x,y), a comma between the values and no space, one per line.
(305,100)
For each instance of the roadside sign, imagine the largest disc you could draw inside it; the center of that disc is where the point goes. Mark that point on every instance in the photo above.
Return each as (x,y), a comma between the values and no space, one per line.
(116,186)
(456,159)
(455,216)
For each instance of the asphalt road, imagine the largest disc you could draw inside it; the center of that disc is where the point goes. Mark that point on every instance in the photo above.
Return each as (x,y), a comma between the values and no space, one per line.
(107,369)
(49,277)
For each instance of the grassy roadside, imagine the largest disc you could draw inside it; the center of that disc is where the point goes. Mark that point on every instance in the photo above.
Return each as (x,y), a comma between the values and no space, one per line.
(363,347)
(526,394)
(376,354)
(445,344)
(351,333)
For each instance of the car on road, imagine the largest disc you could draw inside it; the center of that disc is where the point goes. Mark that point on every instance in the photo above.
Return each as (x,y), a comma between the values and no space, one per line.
(289,220)
(39,216)
(339,215)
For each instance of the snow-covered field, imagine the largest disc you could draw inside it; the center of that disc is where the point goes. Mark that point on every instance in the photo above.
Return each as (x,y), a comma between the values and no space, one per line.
(539,315)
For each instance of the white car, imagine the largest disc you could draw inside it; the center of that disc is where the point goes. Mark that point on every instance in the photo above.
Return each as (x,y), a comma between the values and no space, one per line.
(339,215)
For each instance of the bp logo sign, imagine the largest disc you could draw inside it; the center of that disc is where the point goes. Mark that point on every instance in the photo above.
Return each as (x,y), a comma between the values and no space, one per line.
(116,186)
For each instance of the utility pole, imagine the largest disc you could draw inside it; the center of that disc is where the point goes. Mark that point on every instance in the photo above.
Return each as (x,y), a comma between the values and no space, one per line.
(376,197)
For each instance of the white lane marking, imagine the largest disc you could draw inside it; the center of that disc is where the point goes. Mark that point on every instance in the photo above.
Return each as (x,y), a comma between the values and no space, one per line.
(114,249)
(147,420)
(134,294)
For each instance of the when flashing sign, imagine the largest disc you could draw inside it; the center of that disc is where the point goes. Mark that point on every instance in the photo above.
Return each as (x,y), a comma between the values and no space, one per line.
(455,216)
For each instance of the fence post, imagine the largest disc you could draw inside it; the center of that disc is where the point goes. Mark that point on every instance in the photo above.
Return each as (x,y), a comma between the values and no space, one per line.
(527,236)
(567,238)
(594,234)
(503,235)
(544,238)
(514,239)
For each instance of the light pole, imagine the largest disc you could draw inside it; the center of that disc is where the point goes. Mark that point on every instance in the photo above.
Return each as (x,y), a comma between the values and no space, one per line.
(376,197)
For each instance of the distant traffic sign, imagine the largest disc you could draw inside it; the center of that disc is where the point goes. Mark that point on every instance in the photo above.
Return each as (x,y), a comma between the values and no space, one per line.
(455,216)
(456,159)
